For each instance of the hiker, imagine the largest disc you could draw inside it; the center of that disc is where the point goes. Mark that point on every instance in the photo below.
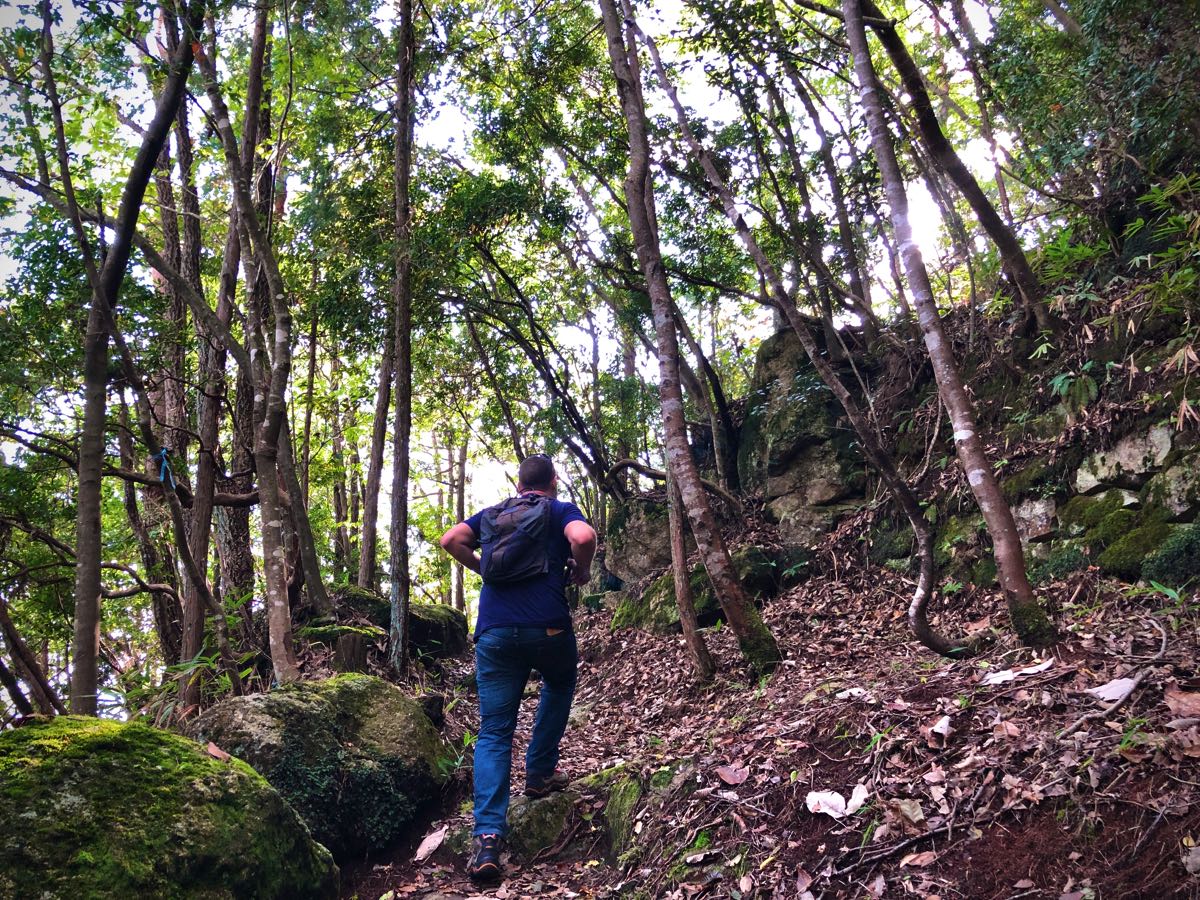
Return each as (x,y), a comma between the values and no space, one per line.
(530,546)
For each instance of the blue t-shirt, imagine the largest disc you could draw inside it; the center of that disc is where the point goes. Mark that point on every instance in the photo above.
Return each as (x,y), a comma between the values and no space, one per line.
(538,602)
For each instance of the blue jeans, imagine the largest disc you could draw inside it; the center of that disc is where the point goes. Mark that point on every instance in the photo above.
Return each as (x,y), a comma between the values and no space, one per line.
(504,657)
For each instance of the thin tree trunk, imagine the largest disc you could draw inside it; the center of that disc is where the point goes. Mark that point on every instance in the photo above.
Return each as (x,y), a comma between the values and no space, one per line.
(306,445)
(1028,618)
(505,408)
(1064,18)
(701,659)
(460,515)
(368,564)
(318,596)
(756,642)
(28,667)
(943,152)
(19,700)
(402,300)
(868,438)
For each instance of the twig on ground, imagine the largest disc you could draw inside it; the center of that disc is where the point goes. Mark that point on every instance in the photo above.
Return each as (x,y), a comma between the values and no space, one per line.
(1117,704)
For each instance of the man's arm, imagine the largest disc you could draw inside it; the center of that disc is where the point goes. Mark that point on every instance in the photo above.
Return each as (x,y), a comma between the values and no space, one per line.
(582,538)
(460,542)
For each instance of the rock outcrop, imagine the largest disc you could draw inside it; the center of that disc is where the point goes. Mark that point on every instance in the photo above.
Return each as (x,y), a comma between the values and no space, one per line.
(796,446)
(354,755)
(93,808)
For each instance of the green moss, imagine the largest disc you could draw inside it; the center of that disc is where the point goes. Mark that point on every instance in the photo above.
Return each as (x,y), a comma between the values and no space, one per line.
(1177,562)
(366,603)
(623,799)
(661,779)
(758,644)
(983,573)
(1125,556)
(1032,625)
(328,634)
(1061,562)
(1083,512)
(756,570)
(437,630)
(353,755)
(889,541)
(534,825)
(125,810)
(1110,529)
(1021,483)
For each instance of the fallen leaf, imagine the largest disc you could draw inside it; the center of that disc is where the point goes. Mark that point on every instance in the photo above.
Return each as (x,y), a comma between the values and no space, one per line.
(1191,861)
(217,753)
(746,884)
(925,858)
(429,845)
(857,798)
(1113,691)
(1023,884)
(1006,729)
(831,803)
(733,776)
(1182,703)
(803,880)
(1005,675)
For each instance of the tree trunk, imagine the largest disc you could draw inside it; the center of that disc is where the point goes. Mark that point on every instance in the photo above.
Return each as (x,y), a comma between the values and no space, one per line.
(19,701)
(756,642)
(701,659)
(943,152)
(318,596)
(1028,618)
(460,515)
(28,667)
(306,443)
(402,300)
(368,564)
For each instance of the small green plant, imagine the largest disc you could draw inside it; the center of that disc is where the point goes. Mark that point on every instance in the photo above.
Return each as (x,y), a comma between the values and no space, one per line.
(1133,733)
(877,739)
(1077,389)
(454,758)
(950,588)
(963,701)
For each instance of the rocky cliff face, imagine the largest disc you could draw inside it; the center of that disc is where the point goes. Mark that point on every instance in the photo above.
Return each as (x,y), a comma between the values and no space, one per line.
(797,447)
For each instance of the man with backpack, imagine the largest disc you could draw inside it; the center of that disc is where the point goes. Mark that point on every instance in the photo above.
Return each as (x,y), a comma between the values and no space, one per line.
(531,546)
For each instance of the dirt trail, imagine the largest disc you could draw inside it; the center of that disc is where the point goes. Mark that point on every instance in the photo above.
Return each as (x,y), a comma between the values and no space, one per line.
(970,791)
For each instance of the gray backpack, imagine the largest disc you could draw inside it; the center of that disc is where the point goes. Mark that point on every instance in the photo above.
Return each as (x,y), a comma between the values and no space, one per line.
(514,539)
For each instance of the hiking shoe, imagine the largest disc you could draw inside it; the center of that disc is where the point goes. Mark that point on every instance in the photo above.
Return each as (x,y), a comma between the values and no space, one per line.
(485,859)
(545,785)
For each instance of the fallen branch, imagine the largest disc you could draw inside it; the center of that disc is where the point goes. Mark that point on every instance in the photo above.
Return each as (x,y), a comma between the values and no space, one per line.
(659,475)
(1117,704)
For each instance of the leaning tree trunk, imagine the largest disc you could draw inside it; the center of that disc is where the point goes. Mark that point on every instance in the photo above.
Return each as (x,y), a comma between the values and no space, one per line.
(943,152)
(367,562)
(755,639)
(868,439)
(701,659)
(402,300)
(1028,618)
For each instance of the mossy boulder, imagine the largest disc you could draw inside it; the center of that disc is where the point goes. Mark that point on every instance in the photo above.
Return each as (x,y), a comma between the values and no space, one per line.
(795,446)
(637,542)
(354,755)
(1177,562)
(1058,564)
(94,808)
(1125,556)
(437,630)
(1176,490)
(1083,513)
(1129,463)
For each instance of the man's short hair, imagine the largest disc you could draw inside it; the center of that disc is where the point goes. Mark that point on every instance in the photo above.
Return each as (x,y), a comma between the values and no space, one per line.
(536,472)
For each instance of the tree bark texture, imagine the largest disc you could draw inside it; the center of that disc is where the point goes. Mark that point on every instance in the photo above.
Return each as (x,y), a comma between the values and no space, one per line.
(368,563)
(702,660)
(402,321)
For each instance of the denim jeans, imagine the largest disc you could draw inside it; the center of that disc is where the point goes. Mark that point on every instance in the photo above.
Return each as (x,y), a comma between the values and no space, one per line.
(504,658)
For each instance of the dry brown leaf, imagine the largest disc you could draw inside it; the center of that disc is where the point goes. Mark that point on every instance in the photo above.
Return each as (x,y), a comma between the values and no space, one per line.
(429,845)
(803,880)
(925,858)
(217,753)
(730,775)
(1182,703)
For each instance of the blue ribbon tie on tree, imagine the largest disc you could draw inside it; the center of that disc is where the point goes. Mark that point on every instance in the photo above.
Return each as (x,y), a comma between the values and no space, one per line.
(164,467)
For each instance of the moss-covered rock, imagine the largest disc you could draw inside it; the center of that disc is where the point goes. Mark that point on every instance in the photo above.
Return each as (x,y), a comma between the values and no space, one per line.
(1061,562)
(889,540)
(362,602)
(1083,513)
(1177,562)
(354,755)
(1111,529)
(1129,463)
(623,798)
(637,542)
(535,825)
(1176,490)
(329,632)
(794,446)
(1126,554)
(437,630)
(657,611)
(1020,484)
(94,808)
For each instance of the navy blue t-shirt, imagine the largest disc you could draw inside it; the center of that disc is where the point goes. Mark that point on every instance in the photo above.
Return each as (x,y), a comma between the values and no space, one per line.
(538,602)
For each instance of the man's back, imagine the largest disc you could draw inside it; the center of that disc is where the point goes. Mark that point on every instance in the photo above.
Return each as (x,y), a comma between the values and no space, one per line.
(538,601)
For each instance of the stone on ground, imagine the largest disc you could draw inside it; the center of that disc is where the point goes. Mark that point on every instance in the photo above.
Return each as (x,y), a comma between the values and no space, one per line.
(94,808)
(354,755)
